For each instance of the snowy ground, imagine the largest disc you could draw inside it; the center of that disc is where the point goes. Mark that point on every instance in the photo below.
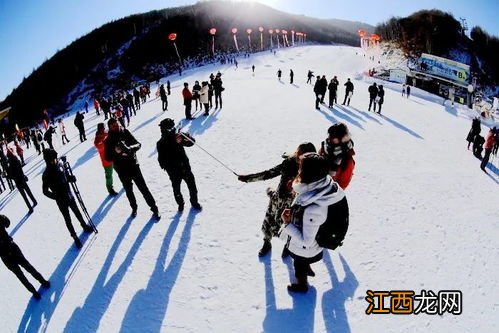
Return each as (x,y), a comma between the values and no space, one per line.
(423,216)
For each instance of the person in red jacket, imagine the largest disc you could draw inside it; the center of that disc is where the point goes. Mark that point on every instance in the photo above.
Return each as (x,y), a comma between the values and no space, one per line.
(97,106)
(490,139)
(338,149)
(100,136)
(187,101)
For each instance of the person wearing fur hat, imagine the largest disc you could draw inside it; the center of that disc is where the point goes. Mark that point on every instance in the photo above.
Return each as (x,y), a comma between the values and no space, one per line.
(280,198)
(173,159)
(14,259)
(55,180)
(316,192)
(15,172)
(338,150)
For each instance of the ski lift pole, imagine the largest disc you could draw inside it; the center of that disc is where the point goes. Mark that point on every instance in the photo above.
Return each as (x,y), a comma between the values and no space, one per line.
(207,152)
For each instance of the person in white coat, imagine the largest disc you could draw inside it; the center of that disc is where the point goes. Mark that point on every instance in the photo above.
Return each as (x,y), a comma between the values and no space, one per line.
(203,99)
(316,191)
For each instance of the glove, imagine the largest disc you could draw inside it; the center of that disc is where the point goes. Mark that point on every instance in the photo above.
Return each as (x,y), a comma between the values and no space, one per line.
(270,191)
(243,178)
(72,179)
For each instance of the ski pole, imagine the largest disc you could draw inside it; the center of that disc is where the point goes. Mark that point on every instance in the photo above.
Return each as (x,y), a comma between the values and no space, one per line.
(216,159)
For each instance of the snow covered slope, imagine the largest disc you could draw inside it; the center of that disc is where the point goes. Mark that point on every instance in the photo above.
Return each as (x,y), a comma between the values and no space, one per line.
(423,216)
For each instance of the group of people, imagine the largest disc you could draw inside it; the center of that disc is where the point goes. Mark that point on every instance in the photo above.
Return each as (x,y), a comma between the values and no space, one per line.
(376,96)
(321,86)
(203,94)
(311,186)
(489,143)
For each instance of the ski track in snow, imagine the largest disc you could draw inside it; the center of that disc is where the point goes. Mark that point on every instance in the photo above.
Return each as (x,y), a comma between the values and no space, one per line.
(423,216)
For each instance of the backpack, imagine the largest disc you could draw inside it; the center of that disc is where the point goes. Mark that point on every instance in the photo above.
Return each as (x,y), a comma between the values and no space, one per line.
(332,232)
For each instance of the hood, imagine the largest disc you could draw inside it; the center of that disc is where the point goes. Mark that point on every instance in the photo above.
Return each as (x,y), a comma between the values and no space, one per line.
(323,192)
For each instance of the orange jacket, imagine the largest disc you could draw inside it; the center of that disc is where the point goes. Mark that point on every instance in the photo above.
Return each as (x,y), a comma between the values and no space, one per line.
(99,144)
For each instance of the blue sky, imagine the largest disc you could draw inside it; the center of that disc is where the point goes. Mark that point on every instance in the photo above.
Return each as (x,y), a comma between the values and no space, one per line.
(32,31)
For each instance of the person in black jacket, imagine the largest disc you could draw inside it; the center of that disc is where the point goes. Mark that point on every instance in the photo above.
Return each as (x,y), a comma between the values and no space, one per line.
(48,136)
(164,99)
(56,181)
(317,91)
(173,159)
(79,124)
(373,92)
(15,172)
(323,88)
(120,148)
(333,88)
(348,91)
(14,259)
(218,88)
(381,98)
(475,130)
(282,197)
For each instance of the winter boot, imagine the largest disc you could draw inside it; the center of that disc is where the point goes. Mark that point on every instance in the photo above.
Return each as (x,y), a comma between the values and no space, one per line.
(266,247)
(87,228)
(197,206)
(78,243)
(46,284)
(155,213)
(112,192)
(37,295)
(181,207)
(301,286)
(134,212)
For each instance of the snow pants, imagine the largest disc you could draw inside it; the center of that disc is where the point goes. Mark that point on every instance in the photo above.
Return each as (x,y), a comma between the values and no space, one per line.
(15,260)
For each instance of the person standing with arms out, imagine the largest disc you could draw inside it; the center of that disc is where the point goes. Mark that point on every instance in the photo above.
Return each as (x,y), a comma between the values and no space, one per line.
(348,91)
(291,76)
(217,88)
(373,92)
(100,137)
(490,139)
(62,129)
(164,99)
(173,159)
(15,172)
(187,95)
(280,198)
(279,73)
(120,148)
(14,259)
(316,195)
(80,125)
(56,187)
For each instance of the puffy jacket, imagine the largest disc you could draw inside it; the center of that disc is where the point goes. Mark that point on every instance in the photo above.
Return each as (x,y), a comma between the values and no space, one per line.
(171,155)
(120,148)
(204,94)
(187,95)
(489,140)
(309,212)
(101,148)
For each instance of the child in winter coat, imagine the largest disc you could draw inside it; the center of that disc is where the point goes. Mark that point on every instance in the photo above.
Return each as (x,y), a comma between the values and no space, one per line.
(280,198)
(315,193)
